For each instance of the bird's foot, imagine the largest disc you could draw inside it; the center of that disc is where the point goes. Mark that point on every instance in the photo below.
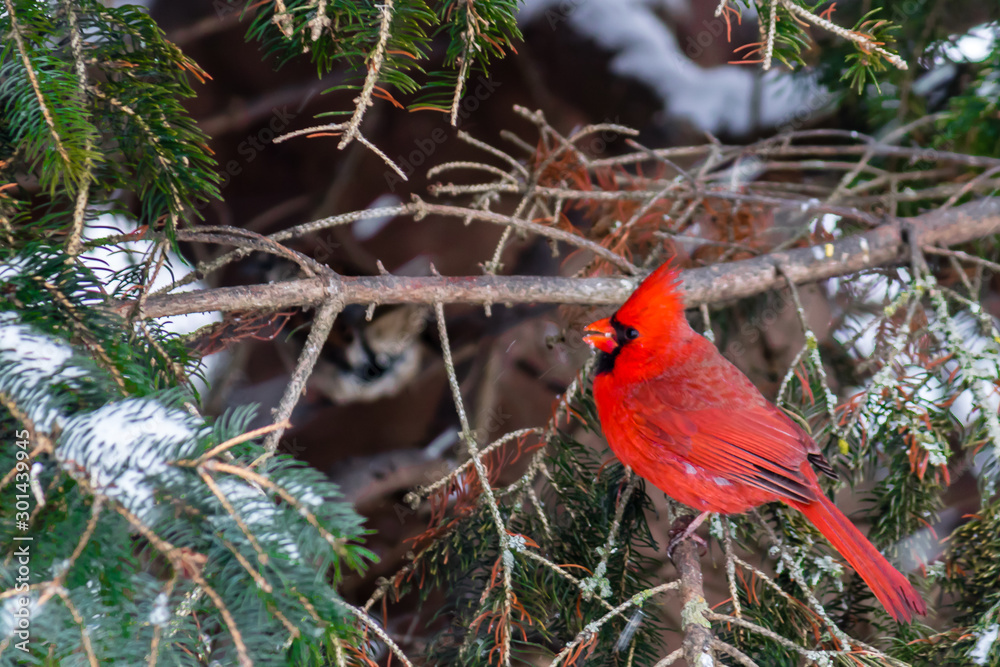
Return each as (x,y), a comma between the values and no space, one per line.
(684,528)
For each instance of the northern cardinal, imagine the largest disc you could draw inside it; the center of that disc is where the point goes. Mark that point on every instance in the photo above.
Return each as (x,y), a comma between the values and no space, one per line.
(681,415)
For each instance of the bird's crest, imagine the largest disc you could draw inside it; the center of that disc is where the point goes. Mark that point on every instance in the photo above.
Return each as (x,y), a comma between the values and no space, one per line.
(658,301)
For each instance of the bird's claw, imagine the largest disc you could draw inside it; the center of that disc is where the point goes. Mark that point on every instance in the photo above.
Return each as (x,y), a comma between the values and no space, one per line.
(677,539)
(684,528)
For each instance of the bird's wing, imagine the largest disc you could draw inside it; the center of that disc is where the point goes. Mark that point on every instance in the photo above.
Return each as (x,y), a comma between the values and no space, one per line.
(742,439)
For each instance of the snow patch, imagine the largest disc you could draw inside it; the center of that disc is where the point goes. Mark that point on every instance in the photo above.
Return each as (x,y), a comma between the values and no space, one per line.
(30,360)
(366,228)
(107,262)
(121,445)
(260,514)
(984,644)
(161,612)
(718,99)
(974,46)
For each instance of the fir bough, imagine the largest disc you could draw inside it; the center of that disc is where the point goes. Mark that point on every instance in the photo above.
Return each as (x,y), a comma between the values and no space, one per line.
(92,102)
(391,42)
(189,552)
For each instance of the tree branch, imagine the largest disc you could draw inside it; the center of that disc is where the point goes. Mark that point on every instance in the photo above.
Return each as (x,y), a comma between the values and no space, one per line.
(697,629)
(883,246)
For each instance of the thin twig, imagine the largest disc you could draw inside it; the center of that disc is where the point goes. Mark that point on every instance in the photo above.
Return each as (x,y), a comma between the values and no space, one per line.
(80,207)
(424,208)
(239,439)
(964,256)
(485,451)
(730,650)
(671,658)
(727,547)
(591,628)
(78,618)
(562,572)
(464,59)
(632,481)
(506,543)
(812,347)
(772,25)
(318,334)
(795,571)
(493,150)
(979,180)
(376,629)
(364,100)
(863,41)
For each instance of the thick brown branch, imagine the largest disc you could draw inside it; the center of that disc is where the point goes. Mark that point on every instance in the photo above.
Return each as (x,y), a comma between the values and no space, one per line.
(697,629)
(883,246)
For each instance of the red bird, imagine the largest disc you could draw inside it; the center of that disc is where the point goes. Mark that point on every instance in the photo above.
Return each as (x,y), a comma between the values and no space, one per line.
(681,415)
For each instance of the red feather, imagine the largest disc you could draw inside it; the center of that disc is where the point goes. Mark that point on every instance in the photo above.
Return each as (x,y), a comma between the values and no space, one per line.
(682,416)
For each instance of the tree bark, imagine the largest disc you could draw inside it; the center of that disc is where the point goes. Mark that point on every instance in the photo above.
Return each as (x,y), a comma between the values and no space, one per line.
(697,629)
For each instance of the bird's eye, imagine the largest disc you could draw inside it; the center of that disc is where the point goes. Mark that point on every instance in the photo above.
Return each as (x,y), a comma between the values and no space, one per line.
(631,333)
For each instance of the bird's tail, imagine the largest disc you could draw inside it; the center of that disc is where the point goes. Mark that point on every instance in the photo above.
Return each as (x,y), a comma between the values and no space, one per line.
(891,588)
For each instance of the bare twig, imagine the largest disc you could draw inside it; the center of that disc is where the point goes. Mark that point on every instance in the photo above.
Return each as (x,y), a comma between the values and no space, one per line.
(812,350)
(670,659)
(506,543)
(250,242)
(863,41)
(377,630)
(736,654)
(562,572)
(727,546)
(591,628)
(321,326)
(80,207)
(424,208)
(364,100)
(485,451)
(964,256)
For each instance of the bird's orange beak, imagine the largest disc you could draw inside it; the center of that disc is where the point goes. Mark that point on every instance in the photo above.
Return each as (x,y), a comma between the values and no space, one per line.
(600,335)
